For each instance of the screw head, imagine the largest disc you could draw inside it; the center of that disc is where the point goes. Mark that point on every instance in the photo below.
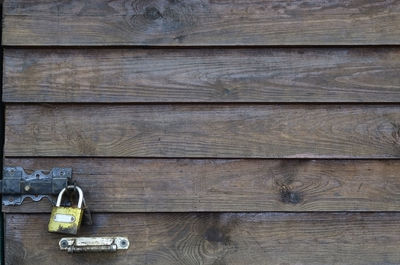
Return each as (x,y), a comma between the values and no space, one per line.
(27,188)
(123,243)
(64,243)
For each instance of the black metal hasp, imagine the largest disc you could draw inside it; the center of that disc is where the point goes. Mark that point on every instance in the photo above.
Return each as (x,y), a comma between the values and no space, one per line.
(17,185)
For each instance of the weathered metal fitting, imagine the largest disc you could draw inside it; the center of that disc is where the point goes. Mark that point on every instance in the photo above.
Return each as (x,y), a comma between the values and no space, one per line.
(17,185)
(93,244)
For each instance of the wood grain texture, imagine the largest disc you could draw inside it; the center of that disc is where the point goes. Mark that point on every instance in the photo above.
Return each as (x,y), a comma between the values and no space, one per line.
(179,185)
(227,238)
(206,131)
(201,22)
(202,75)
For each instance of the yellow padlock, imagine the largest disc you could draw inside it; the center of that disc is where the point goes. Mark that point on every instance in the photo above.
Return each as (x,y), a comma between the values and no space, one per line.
(66,220)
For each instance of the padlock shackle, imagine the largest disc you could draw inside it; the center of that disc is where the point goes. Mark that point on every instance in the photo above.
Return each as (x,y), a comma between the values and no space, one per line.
(80,192)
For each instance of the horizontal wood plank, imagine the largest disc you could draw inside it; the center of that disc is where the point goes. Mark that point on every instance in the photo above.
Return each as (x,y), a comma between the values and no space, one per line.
(203,131)
(202,75)
(179,185)
(226,238)
(200,22)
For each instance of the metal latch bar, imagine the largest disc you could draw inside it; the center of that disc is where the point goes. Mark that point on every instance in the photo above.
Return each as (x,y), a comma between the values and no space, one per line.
(93,244)
(17,185)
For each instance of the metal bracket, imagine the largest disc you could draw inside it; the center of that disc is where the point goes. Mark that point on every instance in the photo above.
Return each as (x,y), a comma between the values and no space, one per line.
(16,185)
(93,244)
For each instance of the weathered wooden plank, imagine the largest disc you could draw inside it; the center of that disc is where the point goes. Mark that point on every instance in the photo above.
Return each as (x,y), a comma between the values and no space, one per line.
(201,22)
(225,238)
(178,185)
(202,75)
(213,131)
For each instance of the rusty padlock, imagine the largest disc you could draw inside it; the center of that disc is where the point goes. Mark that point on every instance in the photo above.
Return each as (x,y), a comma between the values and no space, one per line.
(66,220)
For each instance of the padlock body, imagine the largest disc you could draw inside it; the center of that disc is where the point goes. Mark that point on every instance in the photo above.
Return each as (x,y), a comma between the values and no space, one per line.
(65,220)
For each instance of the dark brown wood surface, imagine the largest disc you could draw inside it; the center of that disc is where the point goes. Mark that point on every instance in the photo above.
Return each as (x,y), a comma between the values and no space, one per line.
(214,131)
(225,238)
(201,22)
(202,75)
(179,185)
(281,149)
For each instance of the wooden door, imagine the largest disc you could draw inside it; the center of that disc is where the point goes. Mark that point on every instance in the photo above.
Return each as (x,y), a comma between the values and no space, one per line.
(209,132)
